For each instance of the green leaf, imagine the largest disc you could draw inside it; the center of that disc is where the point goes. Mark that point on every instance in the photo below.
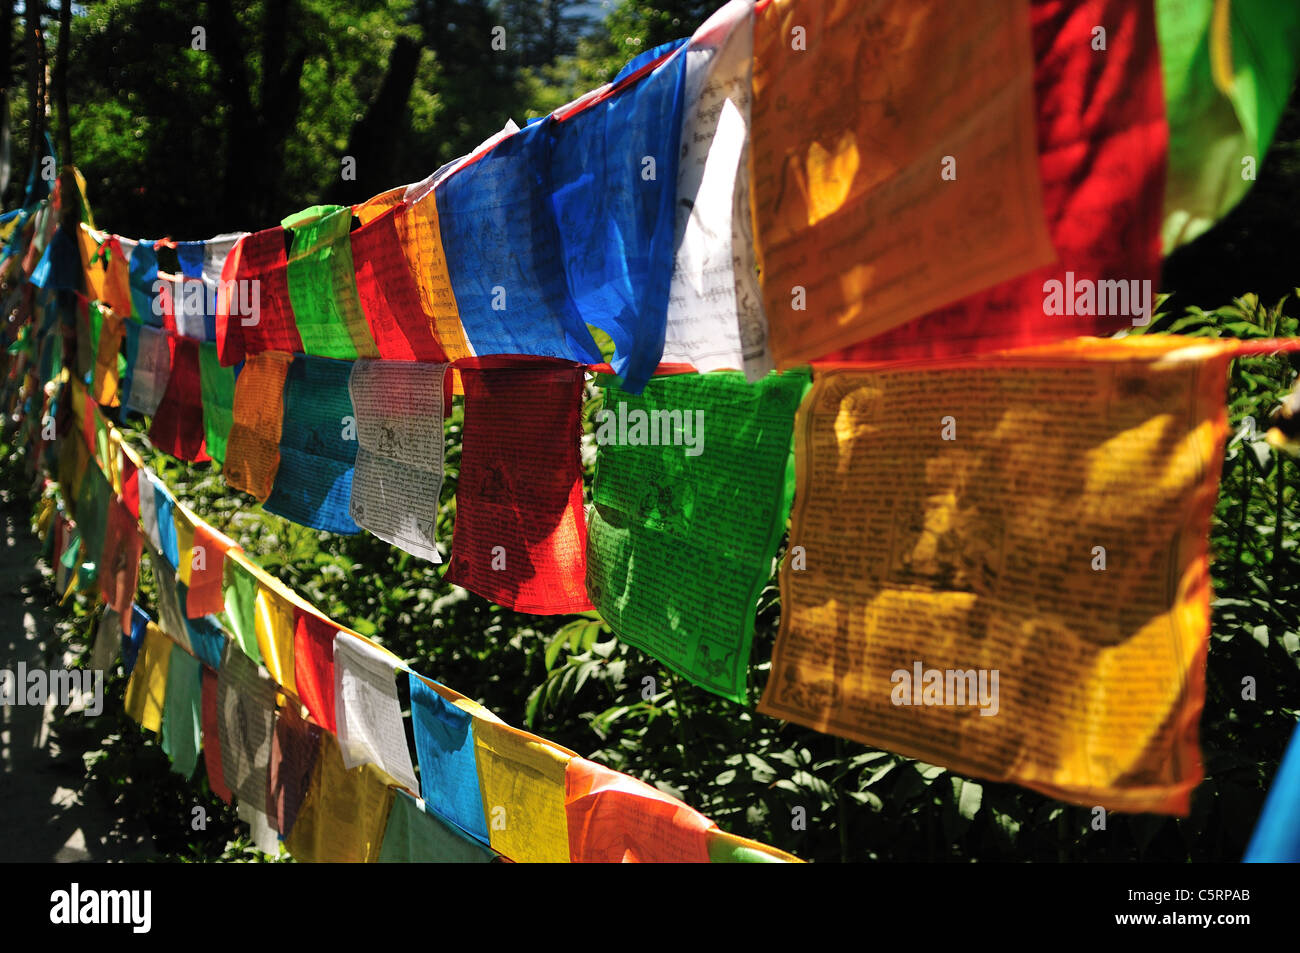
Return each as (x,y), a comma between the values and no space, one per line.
(969,799)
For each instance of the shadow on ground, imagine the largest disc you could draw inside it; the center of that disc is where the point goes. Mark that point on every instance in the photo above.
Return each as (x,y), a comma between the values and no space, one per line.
(48,814)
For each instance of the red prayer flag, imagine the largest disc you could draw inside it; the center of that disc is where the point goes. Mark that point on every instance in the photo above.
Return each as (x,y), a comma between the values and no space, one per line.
(119,566)
(520,537)
(295,744)
(130,486)
(313,665)
(205,595)
(614,819)
(212,737)
(1102,141)
(177,427)
(389,297)
(253,309)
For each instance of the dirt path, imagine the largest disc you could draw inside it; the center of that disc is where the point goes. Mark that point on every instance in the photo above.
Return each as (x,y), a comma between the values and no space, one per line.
(45,812)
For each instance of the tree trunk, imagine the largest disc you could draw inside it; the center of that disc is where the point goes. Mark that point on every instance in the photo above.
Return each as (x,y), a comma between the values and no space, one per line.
(61,82)
(371,142)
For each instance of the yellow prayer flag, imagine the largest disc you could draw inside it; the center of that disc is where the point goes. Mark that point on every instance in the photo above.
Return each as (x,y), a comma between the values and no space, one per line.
(344,813)
(522,781)
(105,377)
(274,627)
(146,691)
(1004,566)
(373,207)
(184,545)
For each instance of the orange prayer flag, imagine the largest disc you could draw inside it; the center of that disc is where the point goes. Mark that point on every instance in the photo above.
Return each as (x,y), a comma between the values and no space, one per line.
(920,188)
(1022,595)
(614,819)
(421,237)
(207,568)
(253,446)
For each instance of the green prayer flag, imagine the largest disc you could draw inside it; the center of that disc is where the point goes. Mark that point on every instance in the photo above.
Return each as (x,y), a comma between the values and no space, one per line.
(71,545)
(726,852)
(1228,69)
(93,497)
(323,286)
(240,587)
(182,711)
(692,491)
(217,390)
(417,836)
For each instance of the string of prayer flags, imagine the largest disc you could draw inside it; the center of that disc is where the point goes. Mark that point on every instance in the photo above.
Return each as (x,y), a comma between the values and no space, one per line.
(217,392)
(444,745)
(615,819)
(1102,171)
(194,291)
(522,780)
(182,713)
(323,285)
(215,252)
(1228,69)
(257,416)
(977,601)
(318,447)
(369,714)
(177,427)
(342,818)
(295,746)
(715,316)
(415,834)
(857,228)
(147,688)
(246,715)
(691,447)
(520,535)
(389,296)
(212,757)
(398,476)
